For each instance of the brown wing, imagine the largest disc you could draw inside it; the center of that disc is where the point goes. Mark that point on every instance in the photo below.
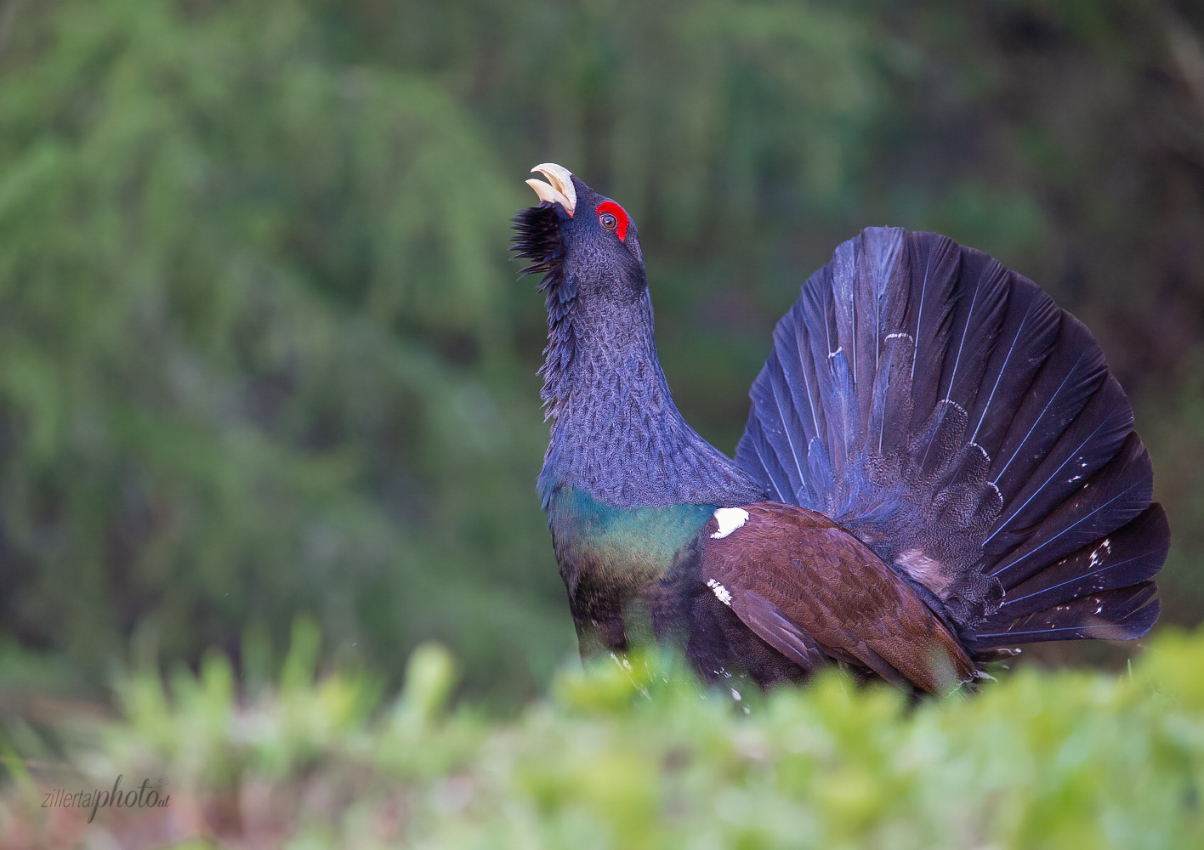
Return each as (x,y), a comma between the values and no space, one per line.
(808,588)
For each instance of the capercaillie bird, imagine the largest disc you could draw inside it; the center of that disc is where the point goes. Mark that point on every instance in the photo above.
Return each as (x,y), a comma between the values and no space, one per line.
(937,466)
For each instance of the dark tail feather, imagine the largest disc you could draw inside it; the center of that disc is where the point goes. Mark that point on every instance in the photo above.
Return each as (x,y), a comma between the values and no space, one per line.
(1105,502)
(1025,341)
(934,265)
(943,408)
(1101,429)
(1129,556)
(1072,373)
(1124,614)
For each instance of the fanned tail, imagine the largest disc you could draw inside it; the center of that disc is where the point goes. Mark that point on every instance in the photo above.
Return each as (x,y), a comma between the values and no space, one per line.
(947,412)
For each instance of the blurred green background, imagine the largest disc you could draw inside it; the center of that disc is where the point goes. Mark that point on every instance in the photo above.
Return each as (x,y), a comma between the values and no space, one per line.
(262,352)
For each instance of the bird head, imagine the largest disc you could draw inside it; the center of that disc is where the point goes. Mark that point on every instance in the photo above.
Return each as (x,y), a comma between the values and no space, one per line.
(581,237)
(596,293)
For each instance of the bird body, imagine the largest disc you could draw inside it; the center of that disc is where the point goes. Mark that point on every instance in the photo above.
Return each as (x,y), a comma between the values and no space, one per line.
(937,464)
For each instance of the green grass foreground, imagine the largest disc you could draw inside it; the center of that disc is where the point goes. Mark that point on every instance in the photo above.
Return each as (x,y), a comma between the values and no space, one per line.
(638,758)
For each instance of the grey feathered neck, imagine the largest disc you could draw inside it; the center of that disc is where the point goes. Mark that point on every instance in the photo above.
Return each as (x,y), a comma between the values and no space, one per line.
(616,434)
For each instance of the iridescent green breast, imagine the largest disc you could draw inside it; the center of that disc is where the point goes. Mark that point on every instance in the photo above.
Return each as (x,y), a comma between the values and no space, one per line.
(623,547)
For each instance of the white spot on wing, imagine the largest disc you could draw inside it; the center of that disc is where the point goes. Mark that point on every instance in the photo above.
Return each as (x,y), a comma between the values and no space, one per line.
(721,592)
(729,520)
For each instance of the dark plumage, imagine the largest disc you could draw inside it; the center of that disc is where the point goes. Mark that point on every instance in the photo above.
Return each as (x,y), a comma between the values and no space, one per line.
(937,464)
(997,453)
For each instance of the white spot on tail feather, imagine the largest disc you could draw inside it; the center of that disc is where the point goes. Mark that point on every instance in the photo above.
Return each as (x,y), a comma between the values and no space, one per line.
(1096,557)
(721,592)
(729,520)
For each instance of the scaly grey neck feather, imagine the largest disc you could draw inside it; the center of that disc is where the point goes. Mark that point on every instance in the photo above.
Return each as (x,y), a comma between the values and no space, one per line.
(617,434)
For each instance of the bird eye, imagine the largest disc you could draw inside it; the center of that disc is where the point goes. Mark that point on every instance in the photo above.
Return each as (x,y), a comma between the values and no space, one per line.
(612,217)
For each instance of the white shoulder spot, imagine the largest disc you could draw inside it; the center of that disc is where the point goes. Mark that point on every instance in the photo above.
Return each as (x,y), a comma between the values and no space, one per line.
(721,592)
(729,520)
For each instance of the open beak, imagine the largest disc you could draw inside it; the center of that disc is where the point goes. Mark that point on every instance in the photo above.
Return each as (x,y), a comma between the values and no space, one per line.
(560,191)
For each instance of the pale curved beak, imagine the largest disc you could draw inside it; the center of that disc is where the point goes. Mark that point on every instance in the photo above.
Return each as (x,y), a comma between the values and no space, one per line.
(560,191)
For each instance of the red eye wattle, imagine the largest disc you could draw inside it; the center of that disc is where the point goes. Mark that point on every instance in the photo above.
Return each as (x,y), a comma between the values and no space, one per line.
(612,217)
